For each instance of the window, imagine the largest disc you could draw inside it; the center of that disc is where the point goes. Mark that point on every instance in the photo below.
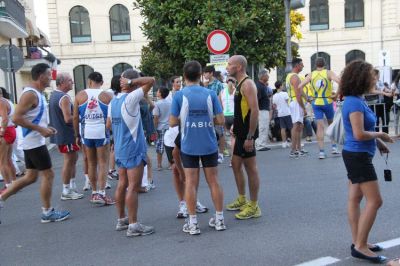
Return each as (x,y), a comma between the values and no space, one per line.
(81,74)
(119,68)
(319,15)
(353,55)
(326,56)
(119,23)
(354,13)
(80,24)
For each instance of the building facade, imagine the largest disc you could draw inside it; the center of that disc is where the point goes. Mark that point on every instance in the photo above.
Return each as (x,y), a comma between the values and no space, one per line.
(92,35)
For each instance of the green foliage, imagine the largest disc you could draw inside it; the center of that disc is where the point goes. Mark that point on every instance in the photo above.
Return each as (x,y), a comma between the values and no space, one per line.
(177,31)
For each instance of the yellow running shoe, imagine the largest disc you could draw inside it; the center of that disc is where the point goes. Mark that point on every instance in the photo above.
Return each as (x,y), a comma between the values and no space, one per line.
(249,212)
(236,204)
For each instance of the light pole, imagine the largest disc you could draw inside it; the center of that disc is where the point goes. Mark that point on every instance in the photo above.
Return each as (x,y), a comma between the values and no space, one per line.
(290,4)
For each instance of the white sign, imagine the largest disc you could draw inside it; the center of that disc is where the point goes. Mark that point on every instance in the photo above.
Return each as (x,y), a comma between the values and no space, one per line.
(219,58)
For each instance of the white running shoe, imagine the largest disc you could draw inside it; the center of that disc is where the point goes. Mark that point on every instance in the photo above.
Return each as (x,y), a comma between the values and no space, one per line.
(182,212)
(108,185)
(220,157)
(192,229)
(139,230)
(322,155)
(200,208)
(335,150)
(71,195)
(87,185)
(122,224)
(219,225)
(285,145)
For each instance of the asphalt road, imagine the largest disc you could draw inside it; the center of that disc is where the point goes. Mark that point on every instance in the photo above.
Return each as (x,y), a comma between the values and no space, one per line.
(304,218)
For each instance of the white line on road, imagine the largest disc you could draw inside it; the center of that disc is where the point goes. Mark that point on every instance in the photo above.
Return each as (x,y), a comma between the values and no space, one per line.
(320,261)
(390,243)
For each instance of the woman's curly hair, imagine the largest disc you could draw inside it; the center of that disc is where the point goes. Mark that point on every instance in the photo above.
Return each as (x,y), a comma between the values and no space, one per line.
(357,78)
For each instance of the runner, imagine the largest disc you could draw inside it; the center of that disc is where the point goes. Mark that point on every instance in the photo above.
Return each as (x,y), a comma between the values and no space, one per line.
(90,109)
(321,83)
(7,138)
(297,107)
(246,132)
(60,113)
(30,113)
(130,149)
(196,109)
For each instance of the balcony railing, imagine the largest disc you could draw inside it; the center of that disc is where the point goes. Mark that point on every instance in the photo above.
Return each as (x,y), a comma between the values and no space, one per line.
(13,13)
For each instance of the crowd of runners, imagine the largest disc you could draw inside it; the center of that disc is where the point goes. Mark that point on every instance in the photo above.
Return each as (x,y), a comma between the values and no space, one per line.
(196,125)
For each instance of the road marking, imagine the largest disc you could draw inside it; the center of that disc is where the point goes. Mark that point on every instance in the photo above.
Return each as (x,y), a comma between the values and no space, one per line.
(390,243)
(320,261)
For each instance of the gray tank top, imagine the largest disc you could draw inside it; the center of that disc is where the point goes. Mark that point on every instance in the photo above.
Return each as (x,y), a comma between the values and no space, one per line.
(65,132)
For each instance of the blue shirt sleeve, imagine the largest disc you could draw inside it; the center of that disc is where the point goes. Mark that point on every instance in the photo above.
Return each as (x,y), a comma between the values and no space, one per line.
(217,109)
(356,105)
(176,104)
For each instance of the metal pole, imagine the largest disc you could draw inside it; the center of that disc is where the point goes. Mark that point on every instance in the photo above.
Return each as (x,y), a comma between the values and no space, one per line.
(13,87)
(288,38)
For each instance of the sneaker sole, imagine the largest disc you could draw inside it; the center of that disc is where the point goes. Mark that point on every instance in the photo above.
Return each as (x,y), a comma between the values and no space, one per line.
(192,233)
(233,209)
(99,203)
(202,211)
(139,234)
(220,229)
(122,228)
(58,220)
(65,198)
(181,216)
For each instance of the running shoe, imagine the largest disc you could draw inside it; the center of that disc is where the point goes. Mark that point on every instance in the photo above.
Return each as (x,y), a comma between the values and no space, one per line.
(97,199)
(302,153)
(192,229)
(87,185)
(182,212)
(55,216)
(71,195)
(219,225)
(285,144)
(113,175)
(235,205)
(308,139)
(294,154)
(249,212)
(139,230)
(122,224)
(335,150)
(322,155)
(108,185)
(150,186)
(220,158)
(226,153)
(200,208)
(107,200)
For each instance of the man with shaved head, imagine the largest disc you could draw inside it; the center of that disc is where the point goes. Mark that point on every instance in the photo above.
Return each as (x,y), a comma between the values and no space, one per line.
(60,108)
(245,129)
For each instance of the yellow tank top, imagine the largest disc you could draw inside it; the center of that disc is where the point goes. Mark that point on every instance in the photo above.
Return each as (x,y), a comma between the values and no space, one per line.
(290,88)
(321,86)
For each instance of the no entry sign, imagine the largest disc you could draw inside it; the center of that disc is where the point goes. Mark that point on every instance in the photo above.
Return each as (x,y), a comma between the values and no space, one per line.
(218,42)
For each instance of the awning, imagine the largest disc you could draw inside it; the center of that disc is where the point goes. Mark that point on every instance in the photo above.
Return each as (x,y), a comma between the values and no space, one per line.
(36,35)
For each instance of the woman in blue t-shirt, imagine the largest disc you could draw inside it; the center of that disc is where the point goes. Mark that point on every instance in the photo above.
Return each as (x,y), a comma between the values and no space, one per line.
(360,143)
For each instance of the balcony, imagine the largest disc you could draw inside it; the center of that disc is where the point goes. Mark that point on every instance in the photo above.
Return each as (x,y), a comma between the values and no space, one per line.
(12,19)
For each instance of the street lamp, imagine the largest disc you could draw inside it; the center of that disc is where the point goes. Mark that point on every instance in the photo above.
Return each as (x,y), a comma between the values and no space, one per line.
(290,4)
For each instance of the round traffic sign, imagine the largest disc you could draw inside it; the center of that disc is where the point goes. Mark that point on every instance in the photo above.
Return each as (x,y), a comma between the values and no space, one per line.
(218,42)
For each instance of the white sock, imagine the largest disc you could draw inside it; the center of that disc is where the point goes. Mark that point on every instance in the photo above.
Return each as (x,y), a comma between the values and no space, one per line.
(72,183)
(87,177)
(182,202)
(46,211)
(219,215)
(102,192)
(193,219)
(65,188)
(94,192)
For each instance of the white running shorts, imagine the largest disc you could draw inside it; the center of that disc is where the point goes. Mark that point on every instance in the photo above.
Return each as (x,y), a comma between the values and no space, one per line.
(296,112)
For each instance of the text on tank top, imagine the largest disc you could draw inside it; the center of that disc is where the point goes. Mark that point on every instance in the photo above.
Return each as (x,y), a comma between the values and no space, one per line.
(93,114)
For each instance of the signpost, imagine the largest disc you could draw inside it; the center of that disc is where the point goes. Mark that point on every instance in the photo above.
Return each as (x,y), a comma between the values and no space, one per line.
(218,42)
(11,60)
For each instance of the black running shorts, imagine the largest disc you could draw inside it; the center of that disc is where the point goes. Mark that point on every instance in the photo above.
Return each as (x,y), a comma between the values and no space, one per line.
(37,158)
(192,161)
(239,150)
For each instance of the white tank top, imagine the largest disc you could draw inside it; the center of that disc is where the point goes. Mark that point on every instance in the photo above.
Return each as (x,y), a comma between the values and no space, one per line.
(10,113)
(38,116)
(93,114)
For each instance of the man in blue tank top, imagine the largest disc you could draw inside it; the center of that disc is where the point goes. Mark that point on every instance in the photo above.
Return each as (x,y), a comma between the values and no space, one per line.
(130,149)
(197,110)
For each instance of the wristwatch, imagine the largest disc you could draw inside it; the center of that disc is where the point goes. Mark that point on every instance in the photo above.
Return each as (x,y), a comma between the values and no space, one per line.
(249,137)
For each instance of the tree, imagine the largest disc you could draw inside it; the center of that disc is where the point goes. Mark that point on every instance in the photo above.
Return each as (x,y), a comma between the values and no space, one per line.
(177,32)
